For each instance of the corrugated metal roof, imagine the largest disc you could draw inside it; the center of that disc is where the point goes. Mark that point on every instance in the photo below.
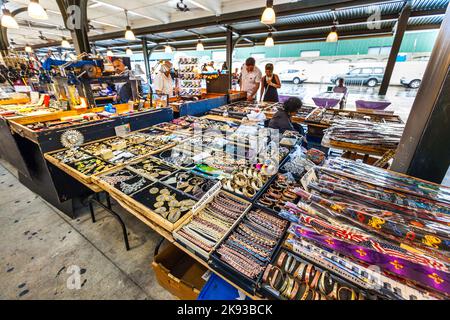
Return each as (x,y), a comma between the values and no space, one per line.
(420,21)
(419,5)
(350,20)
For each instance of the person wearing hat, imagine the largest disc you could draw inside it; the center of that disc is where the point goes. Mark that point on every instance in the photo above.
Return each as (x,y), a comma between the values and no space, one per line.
(163,83)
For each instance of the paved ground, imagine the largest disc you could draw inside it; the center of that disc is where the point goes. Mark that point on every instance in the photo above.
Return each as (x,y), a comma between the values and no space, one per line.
(42,249)
(402,98)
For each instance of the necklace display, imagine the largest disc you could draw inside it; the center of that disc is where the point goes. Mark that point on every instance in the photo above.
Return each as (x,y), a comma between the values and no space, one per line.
(126,181)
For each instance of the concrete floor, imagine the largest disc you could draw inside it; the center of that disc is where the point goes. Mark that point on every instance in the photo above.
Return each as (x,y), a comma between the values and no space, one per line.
(40,246)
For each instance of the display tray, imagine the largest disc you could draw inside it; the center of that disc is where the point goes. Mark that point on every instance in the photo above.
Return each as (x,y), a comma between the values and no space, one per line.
(71,168)
(266,290)
(125,181)
(152,168)
(190,183)
(185,162)
(248,284)
(150,203)
(257,194)
(273,207)
(199,252)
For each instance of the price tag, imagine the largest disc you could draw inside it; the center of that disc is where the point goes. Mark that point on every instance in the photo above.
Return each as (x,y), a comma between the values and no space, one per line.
(122,130)
(309,177)
(207,196)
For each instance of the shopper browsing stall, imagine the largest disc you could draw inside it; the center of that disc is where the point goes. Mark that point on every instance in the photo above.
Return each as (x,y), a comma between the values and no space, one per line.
(282,118)
(270,84)
(250,78)
(163,80)
(124,90)
(341,88)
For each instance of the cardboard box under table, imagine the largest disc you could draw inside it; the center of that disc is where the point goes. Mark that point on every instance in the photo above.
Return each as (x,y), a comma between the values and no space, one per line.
(178,273)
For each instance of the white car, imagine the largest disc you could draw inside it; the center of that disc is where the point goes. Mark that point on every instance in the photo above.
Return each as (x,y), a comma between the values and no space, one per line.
(294,75)
(411,82)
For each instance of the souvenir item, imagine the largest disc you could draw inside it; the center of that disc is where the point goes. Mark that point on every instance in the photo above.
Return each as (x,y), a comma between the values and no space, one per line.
(153,168)
(378,135)
(246,182)
(189,183)
(169,203)
(126,181)
(91,166)
(293,278)
(71,155)
(280,191)
(249,248)
(209,225)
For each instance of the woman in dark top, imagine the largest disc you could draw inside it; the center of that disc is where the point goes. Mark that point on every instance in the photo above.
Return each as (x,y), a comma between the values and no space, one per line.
(282,118)
(270,84)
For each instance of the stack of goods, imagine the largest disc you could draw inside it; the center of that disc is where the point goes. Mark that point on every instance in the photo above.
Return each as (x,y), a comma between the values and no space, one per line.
(246,182)
(369,216)
(292,278)
(209,225)
(330,116)
(377,135)
(250,246)
(190,83)
(280,191)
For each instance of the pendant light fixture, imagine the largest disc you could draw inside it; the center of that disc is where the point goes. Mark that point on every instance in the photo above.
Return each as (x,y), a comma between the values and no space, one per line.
(28,49)
(168,49)
(36,11)
(8,20)
(109,53)
(64,43)
(268,16)
(200,46)
(129,34)
(129,52)
(269,41)
(333,36)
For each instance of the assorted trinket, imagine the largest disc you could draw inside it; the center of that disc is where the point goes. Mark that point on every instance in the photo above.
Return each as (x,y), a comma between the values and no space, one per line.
(91,166)
(168,203)
(153,168)
(250,246)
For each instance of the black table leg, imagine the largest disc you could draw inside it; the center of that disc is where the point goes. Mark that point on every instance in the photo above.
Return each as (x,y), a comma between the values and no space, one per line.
(114,214)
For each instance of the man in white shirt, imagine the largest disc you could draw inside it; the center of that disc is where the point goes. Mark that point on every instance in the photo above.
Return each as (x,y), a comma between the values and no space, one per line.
(250,78)
(163,83)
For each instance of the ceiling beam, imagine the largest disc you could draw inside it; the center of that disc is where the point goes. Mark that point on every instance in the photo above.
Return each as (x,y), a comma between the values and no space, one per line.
(305,6)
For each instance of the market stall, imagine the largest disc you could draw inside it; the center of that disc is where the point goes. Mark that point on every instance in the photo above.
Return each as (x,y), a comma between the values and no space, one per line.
(308,227)
(34,136)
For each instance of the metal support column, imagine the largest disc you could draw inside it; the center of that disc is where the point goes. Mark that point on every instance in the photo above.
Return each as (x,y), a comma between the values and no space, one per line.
(424,150)
(229,57)
(74,13)
(146,59)
(402,23)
